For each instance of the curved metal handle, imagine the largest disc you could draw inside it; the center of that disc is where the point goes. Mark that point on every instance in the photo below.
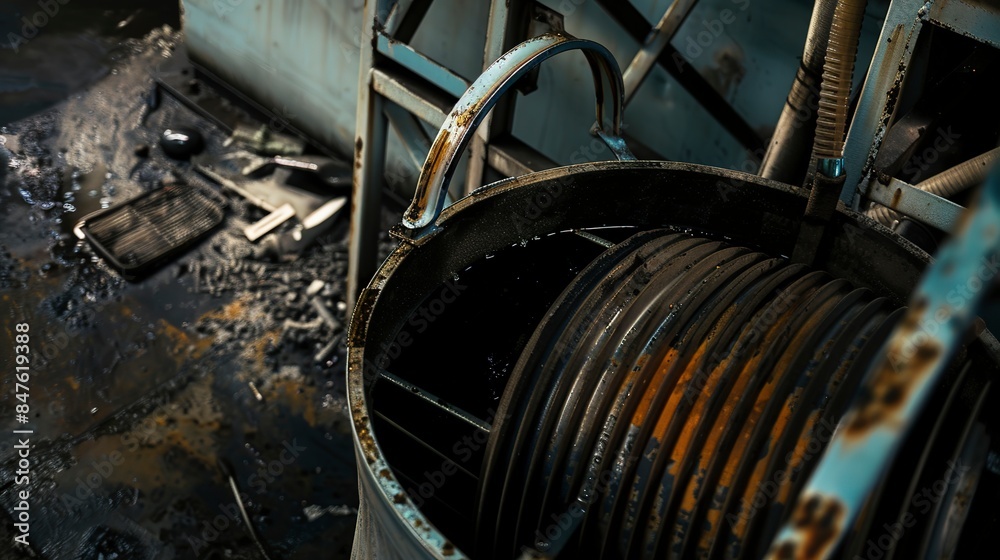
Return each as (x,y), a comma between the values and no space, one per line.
(482,95)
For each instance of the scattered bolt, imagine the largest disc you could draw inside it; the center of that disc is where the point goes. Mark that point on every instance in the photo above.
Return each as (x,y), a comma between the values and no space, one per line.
(326,314)
(327,350)
(256,393)
(315,287)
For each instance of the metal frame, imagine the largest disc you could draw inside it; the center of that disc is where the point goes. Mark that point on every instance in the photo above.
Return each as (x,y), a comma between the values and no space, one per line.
(657,40)
(883,87)
(505,25)
(916,203)
(428,91)
(656,46)
(393,75)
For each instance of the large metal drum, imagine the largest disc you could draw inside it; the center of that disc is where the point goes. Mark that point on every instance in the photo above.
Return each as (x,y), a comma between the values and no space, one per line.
(618,360)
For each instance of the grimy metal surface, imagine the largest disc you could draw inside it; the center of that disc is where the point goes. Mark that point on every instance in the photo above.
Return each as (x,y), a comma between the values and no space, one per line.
(449,242)
(160,372)
(877,101)
(646,195)
(897,385)
(476,102)
(645,408)
(914,202)
(657,40)
(877,104)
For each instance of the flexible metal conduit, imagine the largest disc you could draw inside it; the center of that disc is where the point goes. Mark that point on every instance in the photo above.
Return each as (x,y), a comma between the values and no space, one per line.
(945,184)
(838,70)
(831,123)
(786,156)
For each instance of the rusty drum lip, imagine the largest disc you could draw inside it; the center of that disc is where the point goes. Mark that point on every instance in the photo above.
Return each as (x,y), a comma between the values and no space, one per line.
(372,463)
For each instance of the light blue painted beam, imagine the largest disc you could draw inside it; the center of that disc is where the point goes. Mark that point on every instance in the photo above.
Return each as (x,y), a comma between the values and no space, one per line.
(422,66)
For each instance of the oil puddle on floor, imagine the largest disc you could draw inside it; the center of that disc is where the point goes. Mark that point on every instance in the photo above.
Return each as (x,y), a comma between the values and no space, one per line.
(163,409)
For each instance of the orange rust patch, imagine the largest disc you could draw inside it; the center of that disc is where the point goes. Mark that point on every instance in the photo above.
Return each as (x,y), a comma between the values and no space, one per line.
(713,443)
(298,397)
(258,348)
(757,340)
(757,476)
(365,438)
(800,455)
(906,364)
(643,409)
(231,312)
(819,520)
(183,345)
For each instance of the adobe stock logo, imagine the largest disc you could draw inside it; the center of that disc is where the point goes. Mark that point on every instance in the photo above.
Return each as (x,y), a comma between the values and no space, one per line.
(31,25)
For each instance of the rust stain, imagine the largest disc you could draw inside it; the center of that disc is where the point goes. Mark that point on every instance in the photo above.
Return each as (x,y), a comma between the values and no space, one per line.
(907,362)
(298,397)
(230,312)
(785,552)
(365,438)
(818,519)
(731,469)
(893,52)
(258,348)
(462,119)
(184,347)
(800,455)
(436,159)
(713,447)
(644,406)
(780,424)
(896,197)
(363,309)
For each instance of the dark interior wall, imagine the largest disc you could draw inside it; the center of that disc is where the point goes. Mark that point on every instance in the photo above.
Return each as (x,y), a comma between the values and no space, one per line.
(50,49)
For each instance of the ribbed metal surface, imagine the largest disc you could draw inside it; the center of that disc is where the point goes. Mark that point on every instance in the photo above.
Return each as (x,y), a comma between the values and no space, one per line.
(138,234)
(652,421)
(672,402)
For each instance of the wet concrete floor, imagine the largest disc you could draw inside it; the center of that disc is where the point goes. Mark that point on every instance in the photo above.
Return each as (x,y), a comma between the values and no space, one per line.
(143,396)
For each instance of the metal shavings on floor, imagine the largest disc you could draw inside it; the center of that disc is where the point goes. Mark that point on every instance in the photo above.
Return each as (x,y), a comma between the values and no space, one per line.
(141,389)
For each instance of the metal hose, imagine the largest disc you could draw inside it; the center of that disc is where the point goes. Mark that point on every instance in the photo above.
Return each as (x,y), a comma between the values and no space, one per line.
(831,122)
(945,184)
(786,156)
(671,378)
(838,70)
